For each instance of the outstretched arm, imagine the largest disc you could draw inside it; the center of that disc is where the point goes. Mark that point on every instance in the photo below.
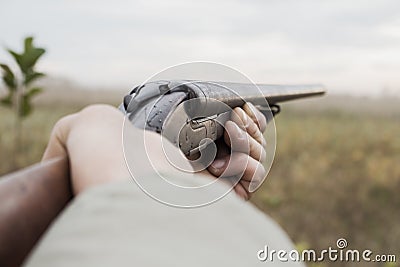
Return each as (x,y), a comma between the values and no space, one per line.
(30,200)
(84,150)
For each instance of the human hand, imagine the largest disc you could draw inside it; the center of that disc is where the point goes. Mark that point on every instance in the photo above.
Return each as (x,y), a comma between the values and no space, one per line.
(242,150)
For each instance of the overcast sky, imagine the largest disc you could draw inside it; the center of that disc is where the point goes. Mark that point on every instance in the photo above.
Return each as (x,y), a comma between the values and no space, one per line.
(350,46)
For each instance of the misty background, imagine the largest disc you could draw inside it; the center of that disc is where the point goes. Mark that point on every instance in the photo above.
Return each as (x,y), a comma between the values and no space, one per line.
(336,172)
(352,47)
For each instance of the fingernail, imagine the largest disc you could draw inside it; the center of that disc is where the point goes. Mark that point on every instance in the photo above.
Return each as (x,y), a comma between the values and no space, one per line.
(218,163)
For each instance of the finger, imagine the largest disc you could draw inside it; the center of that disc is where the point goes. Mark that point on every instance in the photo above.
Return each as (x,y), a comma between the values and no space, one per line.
(240,187)
(253,176)
(239,165)
(240,117)
(58,138)
(245,185)
(241,141)
(255,115)
(218,166)
(250,187)
(222,148)
(242,192)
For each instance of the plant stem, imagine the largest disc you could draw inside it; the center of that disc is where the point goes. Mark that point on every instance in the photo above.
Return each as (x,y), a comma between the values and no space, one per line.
(17,125)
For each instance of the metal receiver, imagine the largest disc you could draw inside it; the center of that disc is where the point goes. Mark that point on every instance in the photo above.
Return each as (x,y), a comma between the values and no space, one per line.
(191,114)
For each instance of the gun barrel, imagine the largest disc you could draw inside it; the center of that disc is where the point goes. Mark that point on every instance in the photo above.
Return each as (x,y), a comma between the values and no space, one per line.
(235,93)
(206,106)
(281,93)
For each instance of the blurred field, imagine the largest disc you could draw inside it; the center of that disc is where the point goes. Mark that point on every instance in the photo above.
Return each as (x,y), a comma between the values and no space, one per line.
(336,173)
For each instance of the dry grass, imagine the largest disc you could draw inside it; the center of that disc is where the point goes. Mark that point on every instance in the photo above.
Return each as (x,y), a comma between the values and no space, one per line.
(336,174)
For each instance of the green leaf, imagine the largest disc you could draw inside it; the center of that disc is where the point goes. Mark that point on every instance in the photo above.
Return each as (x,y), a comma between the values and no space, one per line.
(7,101)
(27,60)
(30,77)
(8,77)
(28,43)
(15,55)
(32,92)
(30,55)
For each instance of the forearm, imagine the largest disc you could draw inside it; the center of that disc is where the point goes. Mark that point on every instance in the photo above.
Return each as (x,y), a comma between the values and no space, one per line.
(30,200)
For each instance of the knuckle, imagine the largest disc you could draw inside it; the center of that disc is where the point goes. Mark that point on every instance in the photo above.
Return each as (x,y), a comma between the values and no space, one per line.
(252,129)
(64,122)
(63,126)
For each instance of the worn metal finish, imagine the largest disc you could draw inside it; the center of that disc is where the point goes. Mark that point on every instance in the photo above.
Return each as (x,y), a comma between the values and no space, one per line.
(205,106)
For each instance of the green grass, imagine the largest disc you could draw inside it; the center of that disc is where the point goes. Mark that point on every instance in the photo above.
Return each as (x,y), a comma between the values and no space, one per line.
(336,174)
